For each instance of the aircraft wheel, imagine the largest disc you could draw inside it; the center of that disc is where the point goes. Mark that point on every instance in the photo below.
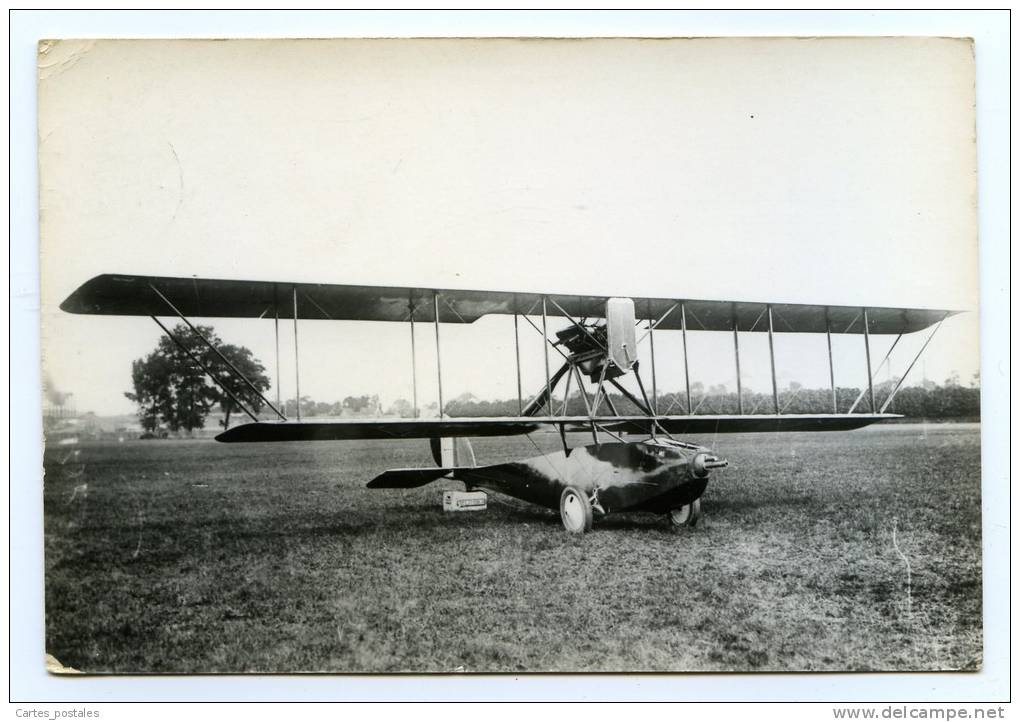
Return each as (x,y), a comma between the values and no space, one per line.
(575,510)
(686,515)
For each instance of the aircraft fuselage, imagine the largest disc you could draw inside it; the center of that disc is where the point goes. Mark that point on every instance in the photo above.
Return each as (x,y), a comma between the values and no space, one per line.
(655,475)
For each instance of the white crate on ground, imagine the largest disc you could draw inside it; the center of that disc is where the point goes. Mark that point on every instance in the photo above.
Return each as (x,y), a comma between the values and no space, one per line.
(465,500)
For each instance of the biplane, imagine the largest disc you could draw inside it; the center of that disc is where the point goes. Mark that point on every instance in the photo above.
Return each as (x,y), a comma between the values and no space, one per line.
(635,462)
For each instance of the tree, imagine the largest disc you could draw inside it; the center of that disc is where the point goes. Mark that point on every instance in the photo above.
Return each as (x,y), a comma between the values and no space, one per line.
(307,407)
(359,403)
(245,362)
(150,377)
(402,408)
(172,388)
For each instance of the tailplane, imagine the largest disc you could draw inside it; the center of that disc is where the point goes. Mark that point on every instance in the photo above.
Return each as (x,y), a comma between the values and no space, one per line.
(408,478)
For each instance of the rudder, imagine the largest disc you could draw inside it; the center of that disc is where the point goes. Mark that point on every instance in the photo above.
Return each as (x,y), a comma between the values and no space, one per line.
(452,452)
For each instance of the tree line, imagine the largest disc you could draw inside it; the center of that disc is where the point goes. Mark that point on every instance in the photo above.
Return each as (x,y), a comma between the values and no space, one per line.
(350,405)
(929,401)
(173,392)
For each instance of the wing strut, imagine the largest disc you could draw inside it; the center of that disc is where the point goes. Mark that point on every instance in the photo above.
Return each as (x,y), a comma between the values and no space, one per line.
(597,400)
(276,335)
(297,374)
(736,355)
(543,398)
(655,390)
(687,370)
(566,393)
(832,371)
(439,367)
(414,363)
(212,347)
(653,325)
(875,374)
(580,387)
(631,397)
(772,364)
(545,350)
(517,351)
(867,356)
(911,366)
(205,369)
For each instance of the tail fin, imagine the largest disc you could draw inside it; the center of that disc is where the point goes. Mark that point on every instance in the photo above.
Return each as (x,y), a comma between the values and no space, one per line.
(451,452)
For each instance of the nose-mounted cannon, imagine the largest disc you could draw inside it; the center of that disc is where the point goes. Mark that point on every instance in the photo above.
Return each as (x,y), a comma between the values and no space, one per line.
(703,463)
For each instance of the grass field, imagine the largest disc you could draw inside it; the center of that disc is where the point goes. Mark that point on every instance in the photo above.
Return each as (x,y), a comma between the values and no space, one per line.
(193,556)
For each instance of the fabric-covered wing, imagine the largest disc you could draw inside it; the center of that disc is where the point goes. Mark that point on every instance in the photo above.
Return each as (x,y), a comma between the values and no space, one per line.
(349,429)
(344,430)
(126,295)
(747,424)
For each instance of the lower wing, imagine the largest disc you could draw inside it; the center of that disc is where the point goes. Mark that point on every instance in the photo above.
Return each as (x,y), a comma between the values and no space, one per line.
(352,429)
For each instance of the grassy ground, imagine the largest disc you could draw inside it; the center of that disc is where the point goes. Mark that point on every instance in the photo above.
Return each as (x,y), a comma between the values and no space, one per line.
(177,556)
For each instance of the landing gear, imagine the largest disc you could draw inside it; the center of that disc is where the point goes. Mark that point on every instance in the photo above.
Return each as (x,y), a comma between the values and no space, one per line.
(686,515)
(575,510)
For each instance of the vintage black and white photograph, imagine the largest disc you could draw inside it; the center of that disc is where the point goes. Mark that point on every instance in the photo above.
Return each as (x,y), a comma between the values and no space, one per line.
(510,355)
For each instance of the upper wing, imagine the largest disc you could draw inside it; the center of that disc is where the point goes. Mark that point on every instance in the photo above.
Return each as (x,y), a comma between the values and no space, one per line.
(203,297)
(349,429)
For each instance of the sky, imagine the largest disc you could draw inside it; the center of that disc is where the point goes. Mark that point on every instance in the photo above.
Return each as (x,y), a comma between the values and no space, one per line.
(837,171)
